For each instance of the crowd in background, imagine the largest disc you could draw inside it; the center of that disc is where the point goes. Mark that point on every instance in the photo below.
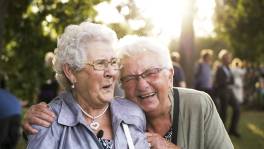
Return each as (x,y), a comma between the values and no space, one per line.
(229,81)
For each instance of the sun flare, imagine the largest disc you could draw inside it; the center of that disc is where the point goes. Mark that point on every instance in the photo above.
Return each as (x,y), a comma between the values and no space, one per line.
(166,16)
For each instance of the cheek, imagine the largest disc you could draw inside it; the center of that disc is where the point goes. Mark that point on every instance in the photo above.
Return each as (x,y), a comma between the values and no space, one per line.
(161,86)
(130,93)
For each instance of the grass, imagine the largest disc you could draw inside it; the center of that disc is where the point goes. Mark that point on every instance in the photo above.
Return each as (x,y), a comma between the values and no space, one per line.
(251,130)
(251,127)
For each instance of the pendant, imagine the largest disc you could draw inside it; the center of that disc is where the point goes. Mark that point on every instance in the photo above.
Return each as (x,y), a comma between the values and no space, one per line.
(94,125)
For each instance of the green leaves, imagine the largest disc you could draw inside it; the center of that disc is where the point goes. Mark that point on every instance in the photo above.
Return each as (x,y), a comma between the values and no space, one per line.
(241,24)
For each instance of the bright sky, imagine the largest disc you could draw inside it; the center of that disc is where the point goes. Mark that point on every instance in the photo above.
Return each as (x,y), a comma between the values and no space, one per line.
(165,15)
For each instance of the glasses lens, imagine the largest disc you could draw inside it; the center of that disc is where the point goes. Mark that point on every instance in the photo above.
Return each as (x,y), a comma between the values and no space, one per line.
(115,63)
(99,64)
(147,75)
(150,72)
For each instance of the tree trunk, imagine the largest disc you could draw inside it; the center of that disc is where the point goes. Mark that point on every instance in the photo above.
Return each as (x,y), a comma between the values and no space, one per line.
(187,50)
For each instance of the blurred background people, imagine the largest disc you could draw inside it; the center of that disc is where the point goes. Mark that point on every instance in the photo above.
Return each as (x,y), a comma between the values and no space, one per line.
(203,73)
(10,112)
(223,83)
(179,75)
(50,88)
(238,73)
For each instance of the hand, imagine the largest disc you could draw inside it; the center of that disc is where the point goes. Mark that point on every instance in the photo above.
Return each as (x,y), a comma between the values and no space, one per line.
(38,114)
(158,142)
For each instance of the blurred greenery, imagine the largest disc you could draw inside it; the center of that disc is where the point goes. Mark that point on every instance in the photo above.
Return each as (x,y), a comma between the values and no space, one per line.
(239,23)
(31,29)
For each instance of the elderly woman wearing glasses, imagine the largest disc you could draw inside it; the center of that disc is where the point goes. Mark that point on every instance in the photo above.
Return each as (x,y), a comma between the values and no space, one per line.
(179,116)
(86,114)
(176,117)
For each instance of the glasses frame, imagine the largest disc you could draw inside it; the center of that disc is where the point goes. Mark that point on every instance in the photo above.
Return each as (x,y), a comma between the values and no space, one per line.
(105,64)
(143,75)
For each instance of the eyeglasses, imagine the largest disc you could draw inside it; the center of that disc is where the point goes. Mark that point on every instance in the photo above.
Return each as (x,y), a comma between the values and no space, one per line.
(147,75)
(102,64)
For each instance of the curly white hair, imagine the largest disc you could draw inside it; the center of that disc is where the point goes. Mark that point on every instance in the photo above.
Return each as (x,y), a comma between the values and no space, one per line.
(72,46)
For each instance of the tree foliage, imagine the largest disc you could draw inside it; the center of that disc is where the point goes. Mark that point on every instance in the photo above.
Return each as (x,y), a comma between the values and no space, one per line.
(240,24)
(30,30)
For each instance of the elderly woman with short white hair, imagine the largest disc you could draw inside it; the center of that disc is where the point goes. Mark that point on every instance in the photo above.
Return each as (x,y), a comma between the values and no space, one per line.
(177,118)
(86,114)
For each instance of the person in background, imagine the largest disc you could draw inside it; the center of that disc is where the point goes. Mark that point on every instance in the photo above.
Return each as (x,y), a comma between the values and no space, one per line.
(177,118)
(50,88)
(10,117)
(223,83)
(203,73)
(87,68)
(179,75)
(238,73)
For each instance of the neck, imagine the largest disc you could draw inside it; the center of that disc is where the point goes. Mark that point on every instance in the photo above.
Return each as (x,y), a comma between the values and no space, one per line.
(161,117)
(154,124)
(89,107)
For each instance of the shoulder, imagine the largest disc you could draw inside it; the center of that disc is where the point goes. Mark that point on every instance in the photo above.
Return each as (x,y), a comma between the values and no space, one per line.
(191,99)
(49,133)
(124,110)
(56,104)
(125,105)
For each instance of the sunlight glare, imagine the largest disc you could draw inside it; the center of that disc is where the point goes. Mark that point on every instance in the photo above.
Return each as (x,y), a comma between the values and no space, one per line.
(203,23)
(164,14)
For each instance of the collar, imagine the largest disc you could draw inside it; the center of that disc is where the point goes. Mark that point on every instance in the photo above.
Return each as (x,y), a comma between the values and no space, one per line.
(69,114)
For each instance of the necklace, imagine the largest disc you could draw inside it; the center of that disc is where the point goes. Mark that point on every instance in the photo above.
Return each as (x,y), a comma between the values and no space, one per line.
(94,124)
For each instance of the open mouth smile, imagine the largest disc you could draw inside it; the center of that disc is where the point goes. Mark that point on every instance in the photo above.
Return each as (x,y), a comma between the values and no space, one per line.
(146,95)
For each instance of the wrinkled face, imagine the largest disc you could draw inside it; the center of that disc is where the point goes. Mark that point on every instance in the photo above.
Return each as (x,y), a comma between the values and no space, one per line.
(149,90)
(97,86)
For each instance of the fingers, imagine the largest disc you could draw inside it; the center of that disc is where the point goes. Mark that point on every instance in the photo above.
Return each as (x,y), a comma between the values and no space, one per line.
(28,129)
(155,141)
(42,112)
(38,114)
(158,142)
(36,120)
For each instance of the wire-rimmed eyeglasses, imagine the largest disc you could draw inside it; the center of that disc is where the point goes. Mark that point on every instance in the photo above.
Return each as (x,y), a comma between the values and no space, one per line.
(102,64)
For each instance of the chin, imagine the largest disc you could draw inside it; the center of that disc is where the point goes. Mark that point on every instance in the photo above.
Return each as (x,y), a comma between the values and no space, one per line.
(149,107)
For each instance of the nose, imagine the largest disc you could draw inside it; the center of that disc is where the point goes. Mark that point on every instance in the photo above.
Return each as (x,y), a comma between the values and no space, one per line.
(109,72)
(142,84)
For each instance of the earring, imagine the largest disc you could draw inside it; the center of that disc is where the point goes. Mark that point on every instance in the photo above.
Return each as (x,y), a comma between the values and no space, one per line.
(73,86)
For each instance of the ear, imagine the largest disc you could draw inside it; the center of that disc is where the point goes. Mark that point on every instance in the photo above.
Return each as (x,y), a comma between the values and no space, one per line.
(170,75)
(69,73)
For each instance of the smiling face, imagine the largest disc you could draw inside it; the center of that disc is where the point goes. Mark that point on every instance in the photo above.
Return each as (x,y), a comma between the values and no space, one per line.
(96,87)
(151,92)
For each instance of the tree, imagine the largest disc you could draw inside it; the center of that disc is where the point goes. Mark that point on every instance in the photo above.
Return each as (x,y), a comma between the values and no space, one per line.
(187,50)
(31,28)
(240,24)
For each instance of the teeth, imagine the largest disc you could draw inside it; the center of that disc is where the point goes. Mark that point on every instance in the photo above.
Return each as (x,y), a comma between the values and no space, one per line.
(147,95)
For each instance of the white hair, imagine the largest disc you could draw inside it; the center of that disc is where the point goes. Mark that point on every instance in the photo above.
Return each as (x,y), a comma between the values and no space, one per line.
(72,46)
(133,45)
